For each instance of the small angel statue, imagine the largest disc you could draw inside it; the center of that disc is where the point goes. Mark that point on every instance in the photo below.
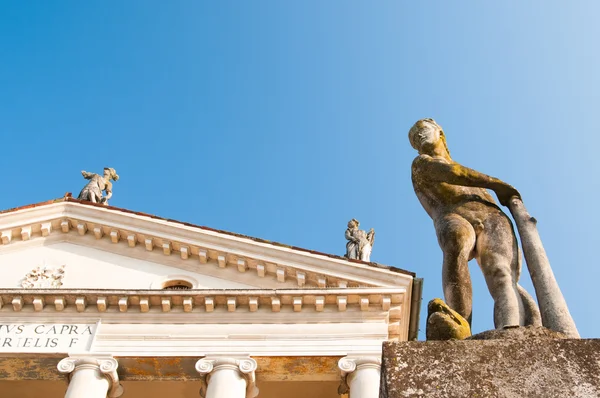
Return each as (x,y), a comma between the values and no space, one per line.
(93,190)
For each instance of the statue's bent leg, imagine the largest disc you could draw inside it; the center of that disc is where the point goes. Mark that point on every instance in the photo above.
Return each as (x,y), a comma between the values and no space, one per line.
(497,255)
(89,195)
(531,310)
(457,237)
(83,195)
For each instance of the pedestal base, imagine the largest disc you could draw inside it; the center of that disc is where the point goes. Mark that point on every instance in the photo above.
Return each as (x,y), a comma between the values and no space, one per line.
(519,368)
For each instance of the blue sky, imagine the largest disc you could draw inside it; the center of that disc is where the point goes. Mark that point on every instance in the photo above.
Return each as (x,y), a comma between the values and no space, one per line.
(283,120)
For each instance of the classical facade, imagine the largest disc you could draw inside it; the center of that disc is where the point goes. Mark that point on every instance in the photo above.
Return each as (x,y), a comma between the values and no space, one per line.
(99,301)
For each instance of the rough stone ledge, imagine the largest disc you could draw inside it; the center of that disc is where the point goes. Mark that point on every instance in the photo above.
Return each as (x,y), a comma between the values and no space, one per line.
(518,333)
(504,368)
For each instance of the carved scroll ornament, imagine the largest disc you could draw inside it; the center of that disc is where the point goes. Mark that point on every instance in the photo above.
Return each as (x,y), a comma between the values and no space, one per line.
(44,277)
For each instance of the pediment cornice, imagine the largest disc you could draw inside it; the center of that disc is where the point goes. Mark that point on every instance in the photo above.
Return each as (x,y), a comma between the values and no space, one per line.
(67,220)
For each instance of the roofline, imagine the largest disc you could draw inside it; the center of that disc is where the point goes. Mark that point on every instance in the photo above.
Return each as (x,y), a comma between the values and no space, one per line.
(68,198)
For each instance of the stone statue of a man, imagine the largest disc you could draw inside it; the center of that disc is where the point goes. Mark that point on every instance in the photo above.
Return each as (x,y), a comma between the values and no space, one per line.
(360,243)
(469,224)
(98,183)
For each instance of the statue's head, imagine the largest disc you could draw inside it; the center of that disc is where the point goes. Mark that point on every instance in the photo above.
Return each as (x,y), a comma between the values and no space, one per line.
(353,223)
(111,173)
(426,133)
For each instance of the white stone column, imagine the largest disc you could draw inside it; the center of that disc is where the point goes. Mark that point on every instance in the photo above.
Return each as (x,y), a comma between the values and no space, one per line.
(227,377)
(360,376)
(91,376)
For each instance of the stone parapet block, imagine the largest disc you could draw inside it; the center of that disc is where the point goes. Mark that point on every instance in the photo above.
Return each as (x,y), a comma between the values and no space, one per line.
(507,368)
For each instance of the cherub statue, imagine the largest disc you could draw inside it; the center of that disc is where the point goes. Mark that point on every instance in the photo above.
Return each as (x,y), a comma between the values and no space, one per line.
(93,190)
(360,243)
(469,224)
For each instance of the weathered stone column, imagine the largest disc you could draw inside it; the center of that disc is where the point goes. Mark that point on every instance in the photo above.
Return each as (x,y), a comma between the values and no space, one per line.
(91,376)
(553,307)
(228,377)
(360,376)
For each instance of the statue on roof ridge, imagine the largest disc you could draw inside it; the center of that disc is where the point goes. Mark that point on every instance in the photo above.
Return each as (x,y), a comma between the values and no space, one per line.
(360,243)
(98,183)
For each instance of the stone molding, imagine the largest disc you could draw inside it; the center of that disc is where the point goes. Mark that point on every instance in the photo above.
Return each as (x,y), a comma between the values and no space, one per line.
(250,300)
(350,364)
(105,364)
(246,367)
(227,306)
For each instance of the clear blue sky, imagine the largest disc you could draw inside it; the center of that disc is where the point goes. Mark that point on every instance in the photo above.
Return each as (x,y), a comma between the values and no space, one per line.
(283,120)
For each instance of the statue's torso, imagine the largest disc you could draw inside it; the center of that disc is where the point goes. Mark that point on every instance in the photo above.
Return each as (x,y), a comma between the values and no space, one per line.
(360,234)
(97,181)
(94,188)
(440,198)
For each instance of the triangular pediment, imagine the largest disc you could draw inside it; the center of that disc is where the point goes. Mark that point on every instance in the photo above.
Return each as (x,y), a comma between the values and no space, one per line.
(109,248)
(98,262)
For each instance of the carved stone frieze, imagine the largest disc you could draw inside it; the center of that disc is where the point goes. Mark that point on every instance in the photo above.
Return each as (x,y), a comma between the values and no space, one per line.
(44,277)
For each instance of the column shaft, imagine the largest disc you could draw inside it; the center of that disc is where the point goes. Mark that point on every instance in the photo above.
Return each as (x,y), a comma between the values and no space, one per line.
(360,376)
(227,377)
(91,376)
(226,382)
(364,382)
(87,383)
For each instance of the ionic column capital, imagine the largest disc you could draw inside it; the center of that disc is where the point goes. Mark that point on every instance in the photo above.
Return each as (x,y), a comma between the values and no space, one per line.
(105,364)
(245,366)
(352,363)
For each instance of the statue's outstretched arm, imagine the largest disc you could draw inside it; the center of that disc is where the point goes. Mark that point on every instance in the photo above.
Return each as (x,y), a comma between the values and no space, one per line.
(456,174)
(86,175)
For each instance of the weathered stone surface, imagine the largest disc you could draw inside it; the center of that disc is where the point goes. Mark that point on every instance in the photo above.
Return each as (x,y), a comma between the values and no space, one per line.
(553,307)
(42,367)
(520,333)
(505,368)
(443,323)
